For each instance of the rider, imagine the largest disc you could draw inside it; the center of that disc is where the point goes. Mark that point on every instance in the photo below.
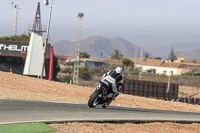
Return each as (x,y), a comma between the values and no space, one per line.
(115,79)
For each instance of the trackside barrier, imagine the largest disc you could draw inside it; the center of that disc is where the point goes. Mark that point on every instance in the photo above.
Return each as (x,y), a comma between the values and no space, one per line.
(151,89)
(189,100)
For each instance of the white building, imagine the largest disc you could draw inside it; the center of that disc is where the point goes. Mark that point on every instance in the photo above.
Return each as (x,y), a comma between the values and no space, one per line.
(165,67)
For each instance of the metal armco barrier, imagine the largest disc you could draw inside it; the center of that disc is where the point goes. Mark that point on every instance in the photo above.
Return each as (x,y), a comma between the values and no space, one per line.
(150,89)
(189,100)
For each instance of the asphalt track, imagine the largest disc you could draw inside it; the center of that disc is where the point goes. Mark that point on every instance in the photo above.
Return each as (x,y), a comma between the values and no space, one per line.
(19,111)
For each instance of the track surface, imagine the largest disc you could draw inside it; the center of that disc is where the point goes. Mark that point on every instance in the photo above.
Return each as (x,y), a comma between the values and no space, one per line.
(18,111)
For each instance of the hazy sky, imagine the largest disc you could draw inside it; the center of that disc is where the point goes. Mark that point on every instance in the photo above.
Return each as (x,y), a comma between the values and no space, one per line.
(142,22)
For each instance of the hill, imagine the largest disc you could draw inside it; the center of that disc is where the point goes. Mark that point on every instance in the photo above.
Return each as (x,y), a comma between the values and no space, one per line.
(193,54)
(96,45)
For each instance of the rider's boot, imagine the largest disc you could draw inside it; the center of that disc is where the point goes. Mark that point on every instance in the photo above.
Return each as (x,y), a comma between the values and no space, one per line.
(115,95)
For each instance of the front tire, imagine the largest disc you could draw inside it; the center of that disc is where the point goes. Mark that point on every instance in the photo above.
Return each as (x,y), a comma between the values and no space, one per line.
(94,99)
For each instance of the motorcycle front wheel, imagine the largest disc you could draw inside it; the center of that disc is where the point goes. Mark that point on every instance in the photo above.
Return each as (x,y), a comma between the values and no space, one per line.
(94,99)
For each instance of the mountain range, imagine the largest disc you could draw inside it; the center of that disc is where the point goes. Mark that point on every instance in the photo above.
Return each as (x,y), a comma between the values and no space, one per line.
(96,45)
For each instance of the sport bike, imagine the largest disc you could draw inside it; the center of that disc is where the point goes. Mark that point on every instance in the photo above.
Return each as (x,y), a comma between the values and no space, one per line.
(103,95)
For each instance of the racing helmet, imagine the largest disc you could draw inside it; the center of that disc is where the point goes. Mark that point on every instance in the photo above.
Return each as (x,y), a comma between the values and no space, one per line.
(119,70)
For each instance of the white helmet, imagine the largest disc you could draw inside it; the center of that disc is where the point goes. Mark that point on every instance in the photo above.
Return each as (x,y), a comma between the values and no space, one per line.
(119,70)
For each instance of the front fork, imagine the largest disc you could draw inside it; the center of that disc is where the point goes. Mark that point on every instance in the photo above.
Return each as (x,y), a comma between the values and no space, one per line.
(104,91)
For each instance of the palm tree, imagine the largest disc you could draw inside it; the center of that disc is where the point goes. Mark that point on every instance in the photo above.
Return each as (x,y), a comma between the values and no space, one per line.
(116,54)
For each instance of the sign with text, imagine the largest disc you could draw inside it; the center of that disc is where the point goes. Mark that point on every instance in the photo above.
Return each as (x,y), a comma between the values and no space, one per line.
(18,48)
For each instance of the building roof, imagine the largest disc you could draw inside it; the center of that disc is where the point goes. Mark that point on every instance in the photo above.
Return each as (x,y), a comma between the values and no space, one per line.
(191,61)
(153,62)
(173,65)
(64,57)
(180,56)
(110,61)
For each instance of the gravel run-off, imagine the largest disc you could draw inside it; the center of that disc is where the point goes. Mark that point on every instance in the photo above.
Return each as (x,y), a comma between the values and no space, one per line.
(20,87)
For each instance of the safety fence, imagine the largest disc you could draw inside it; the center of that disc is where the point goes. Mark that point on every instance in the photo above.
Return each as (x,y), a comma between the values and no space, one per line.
(151,89)
(189,100)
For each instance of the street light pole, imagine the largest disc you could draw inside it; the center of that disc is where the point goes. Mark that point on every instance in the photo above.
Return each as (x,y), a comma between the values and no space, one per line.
(169,78)
(46,39)
(141,62)
(76,65)
(17,7)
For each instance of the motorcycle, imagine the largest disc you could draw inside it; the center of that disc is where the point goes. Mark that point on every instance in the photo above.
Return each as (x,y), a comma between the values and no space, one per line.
(103,95)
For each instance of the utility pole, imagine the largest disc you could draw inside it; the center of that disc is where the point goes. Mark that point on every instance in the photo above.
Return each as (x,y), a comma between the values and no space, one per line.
(47,38)
(135,57)
(149,50)
(141,62)
(101,55)
(17,7)
(76,65)
(169,79)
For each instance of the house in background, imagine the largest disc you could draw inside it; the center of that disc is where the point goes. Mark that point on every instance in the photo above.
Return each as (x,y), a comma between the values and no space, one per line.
(86,62)
(178,67)
(94,63)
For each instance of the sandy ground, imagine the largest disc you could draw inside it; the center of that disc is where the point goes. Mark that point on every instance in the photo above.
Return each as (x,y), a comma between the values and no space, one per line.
(185,91)
(14,86)
(126,128)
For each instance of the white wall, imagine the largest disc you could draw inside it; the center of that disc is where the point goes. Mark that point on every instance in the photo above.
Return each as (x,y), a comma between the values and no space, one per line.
(160,70)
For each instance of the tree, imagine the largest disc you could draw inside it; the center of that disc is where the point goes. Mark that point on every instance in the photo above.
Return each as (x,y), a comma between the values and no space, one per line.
(22,37)
(194,61)
(101,55)
(172,55)
(113,66)
(98,71)
(147,56)
(85,73)
(116,54)
(158,58)
(66,78)
(127,62)
(67,70)
(84,55)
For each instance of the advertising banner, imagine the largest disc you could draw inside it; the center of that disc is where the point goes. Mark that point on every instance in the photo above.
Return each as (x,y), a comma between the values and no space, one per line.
(18,48)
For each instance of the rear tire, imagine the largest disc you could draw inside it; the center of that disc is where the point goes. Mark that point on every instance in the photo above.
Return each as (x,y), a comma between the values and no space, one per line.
(94,99)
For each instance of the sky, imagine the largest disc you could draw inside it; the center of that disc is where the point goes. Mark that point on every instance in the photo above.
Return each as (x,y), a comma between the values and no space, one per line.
(142,22)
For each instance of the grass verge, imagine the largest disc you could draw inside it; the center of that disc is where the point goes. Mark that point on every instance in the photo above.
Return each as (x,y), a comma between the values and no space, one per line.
(26,128)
